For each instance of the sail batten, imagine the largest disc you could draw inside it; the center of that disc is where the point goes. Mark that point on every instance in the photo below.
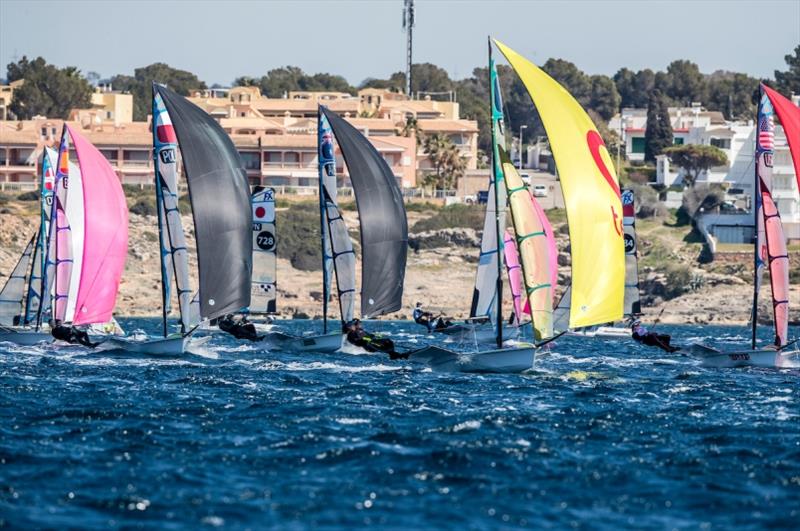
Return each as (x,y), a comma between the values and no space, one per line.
(591,193)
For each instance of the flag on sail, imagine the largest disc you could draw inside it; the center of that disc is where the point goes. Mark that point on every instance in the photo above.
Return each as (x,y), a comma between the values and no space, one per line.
(591,193)
(770,245)
(484,295)
(265,265)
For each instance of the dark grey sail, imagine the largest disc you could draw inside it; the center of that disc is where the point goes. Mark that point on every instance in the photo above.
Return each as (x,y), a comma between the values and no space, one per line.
(220,197)
(384,229)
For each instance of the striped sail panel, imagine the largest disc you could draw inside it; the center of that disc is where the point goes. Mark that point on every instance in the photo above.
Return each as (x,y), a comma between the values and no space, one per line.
(514,271)
(327,185)
(101,234)
(770,247)
(484,296)
(552,248)
(344,259)
(68,212)
(591,193)
(534,252)
(264,287)
(632,303)
(174,248)
(50,164)
(13,293)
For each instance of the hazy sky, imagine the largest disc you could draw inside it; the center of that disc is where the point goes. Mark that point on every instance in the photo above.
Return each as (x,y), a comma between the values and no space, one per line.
(220,40)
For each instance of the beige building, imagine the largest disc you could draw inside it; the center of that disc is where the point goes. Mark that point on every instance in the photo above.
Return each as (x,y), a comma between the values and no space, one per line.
(107,106)
(6,95)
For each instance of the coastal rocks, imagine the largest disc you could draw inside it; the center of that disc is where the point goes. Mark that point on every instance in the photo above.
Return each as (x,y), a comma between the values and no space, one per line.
(460,237)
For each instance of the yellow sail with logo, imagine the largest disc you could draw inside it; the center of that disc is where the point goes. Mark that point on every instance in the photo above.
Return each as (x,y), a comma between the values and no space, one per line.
(591,194)
(534,251)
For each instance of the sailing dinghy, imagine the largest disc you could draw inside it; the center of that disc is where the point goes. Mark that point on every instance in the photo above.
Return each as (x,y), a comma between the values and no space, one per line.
(220,199)
(770,249)
(25,298)
(534,252)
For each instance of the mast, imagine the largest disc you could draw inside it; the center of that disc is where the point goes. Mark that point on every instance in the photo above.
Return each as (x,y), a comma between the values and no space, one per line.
(160,216)
(496,205)
(755,206)
(321,171)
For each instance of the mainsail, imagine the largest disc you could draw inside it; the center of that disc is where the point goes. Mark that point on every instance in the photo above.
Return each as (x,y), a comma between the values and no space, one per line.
(591,193)
(382,216)
(484,295)
(770,247)
(533,249)
(265,263)
(67,233)
(13,293)
(632,303)
(220,197)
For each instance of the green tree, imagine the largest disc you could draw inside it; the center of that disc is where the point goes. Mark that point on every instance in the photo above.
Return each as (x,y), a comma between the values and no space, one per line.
(685,82)
(789,81)
(695,159)
(604,98)
(140,85)
(658,135)
(732,94)
(571,78)
(48,90)
(447,161)
(279,81)
(634,88)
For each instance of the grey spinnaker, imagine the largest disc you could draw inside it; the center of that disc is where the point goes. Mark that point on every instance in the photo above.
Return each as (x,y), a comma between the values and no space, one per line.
(384,228)
(13,293)
(220,197)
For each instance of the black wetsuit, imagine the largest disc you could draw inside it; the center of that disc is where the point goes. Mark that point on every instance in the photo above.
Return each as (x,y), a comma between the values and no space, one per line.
(651,339)
(70,334)
(428,320)
(240,329)
(373,343)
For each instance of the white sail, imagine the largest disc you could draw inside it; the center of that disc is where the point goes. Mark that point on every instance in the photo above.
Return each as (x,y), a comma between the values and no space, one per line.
(265,264)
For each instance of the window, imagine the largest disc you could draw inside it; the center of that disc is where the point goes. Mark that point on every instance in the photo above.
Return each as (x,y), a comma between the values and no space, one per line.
(291,157)
(109,154)
(272,158)
(722,143)
(677,141)
(637,144)
(136,157)
(250,160)
(108,115)
(44,132)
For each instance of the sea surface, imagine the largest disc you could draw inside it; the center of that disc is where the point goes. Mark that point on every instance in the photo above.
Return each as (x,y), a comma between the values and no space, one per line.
(601,435)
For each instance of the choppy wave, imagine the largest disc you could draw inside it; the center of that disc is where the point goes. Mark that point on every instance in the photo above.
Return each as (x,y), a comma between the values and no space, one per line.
(601,434)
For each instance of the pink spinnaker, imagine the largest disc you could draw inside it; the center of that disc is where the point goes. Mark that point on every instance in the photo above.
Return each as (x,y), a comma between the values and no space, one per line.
(789,115)
(514,270)
(551,242)
(106,235)
(778,260)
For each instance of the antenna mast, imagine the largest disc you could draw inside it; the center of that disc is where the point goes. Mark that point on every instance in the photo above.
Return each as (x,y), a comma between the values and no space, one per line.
(408,25)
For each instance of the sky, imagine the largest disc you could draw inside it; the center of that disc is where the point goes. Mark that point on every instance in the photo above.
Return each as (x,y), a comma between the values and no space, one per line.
(221,40)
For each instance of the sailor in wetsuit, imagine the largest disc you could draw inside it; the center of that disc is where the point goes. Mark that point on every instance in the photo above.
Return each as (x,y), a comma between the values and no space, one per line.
(359,337)
(428,320)
(641,335)
(239,328)
(70,334)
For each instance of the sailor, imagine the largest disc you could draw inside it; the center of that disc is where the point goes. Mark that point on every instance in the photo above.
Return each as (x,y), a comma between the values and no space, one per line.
(239,328)
(641,335)
(428,320)
(359,337)
(70,334)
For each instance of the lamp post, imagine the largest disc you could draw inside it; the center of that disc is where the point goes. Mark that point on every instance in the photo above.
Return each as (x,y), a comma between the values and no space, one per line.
(521,127)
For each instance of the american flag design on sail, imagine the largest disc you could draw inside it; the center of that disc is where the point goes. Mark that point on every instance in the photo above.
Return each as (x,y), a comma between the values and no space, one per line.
(766,126)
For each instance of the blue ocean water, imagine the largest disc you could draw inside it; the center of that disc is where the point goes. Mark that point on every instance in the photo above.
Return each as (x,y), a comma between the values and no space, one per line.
(602,435)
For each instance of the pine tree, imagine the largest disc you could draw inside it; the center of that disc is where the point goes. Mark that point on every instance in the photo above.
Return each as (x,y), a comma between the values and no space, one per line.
(658,135)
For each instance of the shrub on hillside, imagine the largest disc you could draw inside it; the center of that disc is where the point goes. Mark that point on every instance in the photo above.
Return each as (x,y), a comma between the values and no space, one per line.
(143,207)
(33,195)
(453,216)
(298,236)
(678,281)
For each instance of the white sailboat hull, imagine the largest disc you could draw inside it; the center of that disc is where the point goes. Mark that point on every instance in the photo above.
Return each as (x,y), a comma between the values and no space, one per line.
(607,332)
(162,346)
(711,357)
(506,360)
(482,333)
(320,343)
(25,337)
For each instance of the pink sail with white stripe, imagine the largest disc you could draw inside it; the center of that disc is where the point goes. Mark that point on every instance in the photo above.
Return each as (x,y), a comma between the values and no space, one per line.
(105,235)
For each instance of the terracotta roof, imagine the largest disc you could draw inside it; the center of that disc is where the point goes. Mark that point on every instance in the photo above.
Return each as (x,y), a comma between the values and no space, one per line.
(450,126)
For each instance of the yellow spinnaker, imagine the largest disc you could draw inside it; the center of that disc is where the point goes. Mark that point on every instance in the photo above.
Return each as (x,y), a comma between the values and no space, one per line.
(591,194)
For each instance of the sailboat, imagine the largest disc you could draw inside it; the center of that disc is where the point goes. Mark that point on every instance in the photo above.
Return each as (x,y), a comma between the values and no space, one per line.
(88,241)
(534,265)
(221,210)
(382,223)
(632,299)
(770,249)
(25,300)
